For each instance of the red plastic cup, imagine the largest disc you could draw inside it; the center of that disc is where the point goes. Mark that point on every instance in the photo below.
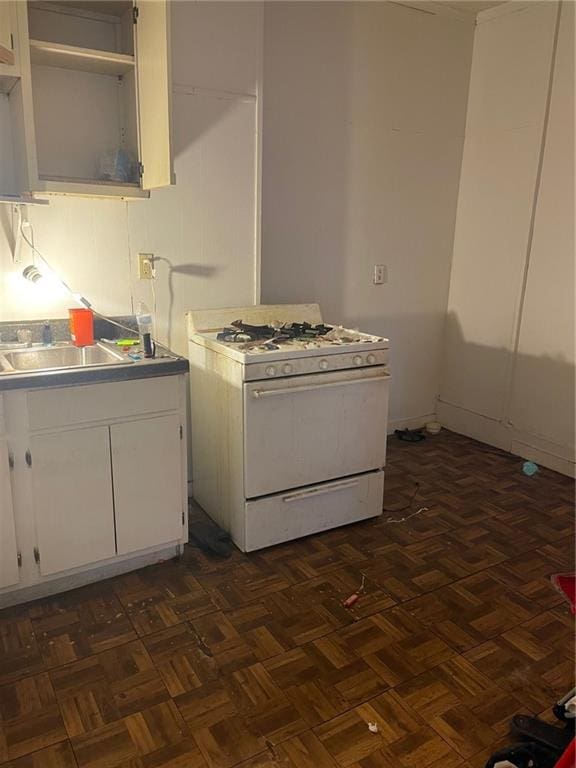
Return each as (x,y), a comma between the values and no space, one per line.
(81,327)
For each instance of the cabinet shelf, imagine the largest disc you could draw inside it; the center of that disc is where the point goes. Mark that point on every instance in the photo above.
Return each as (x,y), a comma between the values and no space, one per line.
(91,187)
(84,59)
(22,199)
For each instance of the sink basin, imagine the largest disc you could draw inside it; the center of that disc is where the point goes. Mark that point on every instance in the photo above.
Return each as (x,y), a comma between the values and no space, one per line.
(64,356)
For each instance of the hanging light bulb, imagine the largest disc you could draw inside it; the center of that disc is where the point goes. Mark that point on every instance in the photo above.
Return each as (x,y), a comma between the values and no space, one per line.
(49,280)
(32,273)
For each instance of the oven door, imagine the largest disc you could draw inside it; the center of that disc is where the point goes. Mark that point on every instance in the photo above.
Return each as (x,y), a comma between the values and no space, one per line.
(307,429)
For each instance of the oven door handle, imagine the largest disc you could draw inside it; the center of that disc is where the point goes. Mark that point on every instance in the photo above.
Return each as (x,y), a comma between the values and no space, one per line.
(257,393)
(331,488)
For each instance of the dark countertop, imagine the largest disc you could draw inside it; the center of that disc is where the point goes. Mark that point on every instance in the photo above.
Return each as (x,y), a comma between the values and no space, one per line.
(166,364)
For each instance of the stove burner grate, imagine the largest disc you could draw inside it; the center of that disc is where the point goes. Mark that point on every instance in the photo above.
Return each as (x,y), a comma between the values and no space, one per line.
(241,332)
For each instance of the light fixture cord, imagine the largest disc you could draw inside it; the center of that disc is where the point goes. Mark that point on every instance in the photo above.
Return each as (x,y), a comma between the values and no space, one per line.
(79,298)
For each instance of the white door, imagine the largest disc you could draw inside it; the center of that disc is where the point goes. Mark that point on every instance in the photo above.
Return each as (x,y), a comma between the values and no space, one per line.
(147,467)
(307,429)
(154,92)
(6,32)
(8,548)
(72,498)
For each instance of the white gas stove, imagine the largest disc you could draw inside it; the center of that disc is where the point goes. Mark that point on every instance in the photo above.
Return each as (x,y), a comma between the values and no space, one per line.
(289,420)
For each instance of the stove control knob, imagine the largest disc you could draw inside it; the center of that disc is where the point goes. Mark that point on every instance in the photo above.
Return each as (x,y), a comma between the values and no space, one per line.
(371,359)
(271,371)
(287,368)
(323,364)
(357,360)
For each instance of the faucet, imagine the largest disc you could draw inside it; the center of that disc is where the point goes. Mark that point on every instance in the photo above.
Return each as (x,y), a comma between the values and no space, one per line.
(47,334)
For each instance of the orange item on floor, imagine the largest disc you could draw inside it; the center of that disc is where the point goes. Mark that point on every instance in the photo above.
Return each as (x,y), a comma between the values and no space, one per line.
(81,327)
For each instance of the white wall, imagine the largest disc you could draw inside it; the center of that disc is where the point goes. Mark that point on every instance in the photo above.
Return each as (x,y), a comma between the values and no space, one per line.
(364,110)
(203,229)
(509,357)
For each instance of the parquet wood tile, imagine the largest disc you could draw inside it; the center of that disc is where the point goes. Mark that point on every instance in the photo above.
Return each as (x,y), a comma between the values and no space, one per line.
(19,651)
(253,661)
(463,730)
(30,718)
(57,756)
(137,736)
(105,687)
(182,659)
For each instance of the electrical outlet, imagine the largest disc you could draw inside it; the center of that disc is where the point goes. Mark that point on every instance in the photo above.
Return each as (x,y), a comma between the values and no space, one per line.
(145,266)
(380,274)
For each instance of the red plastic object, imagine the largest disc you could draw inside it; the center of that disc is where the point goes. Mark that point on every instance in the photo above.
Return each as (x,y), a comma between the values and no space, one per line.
(81,327)
(568,759)
(566,583)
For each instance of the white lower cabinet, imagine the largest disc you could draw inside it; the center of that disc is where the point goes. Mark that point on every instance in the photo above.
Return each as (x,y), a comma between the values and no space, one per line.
(98,482)
(147,475)
(72,498)
(9,573)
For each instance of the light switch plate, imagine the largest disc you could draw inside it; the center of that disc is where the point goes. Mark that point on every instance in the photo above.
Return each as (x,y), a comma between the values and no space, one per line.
(380,274)
(145,266)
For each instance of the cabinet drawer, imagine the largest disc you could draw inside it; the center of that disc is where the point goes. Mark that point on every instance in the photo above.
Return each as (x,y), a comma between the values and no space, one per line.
(290,515)
(52,408)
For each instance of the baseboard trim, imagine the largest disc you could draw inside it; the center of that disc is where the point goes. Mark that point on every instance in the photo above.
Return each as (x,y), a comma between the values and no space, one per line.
(559,458)
(17,595)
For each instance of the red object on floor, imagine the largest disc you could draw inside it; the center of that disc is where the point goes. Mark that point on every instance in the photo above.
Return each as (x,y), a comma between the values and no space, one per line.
(568,759)
(566,583)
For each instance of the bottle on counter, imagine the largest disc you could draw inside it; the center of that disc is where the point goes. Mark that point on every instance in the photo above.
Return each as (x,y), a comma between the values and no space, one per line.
(144,320)
(47,334)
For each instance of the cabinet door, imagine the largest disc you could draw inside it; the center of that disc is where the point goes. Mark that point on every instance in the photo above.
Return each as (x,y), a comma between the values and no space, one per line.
(6,32)
(147,469)
(8,549)
(154,90)
(72,498)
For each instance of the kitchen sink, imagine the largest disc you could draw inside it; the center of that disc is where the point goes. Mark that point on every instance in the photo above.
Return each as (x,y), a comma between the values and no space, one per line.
(61,356)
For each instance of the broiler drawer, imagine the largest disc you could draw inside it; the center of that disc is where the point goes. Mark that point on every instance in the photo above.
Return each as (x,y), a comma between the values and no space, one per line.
(297,513)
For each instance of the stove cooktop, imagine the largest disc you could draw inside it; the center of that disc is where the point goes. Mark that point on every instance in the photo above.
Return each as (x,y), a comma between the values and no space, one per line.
(288,339)
(271,337)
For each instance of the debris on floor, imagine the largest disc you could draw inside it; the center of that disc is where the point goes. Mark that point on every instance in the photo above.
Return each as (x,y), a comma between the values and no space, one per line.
(355,596)
(409,506)
(211,539)
(529,468)
(410,435)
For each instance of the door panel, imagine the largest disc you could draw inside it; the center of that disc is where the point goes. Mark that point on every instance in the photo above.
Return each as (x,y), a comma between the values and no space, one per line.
(309,429)
(9,573)
(72,497)
(154,92)
(6,32)
(146,462)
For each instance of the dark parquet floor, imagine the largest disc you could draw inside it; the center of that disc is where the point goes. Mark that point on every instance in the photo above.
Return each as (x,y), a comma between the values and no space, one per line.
(254,662)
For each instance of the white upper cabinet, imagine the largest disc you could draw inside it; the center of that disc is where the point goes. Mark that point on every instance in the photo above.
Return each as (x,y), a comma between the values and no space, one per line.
(7,34)
(154,89)
(95,96)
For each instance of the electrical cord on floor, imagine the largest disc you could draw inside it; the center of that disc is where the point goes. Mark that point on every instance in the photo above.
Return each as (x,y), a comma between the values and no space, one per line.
(409,505)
